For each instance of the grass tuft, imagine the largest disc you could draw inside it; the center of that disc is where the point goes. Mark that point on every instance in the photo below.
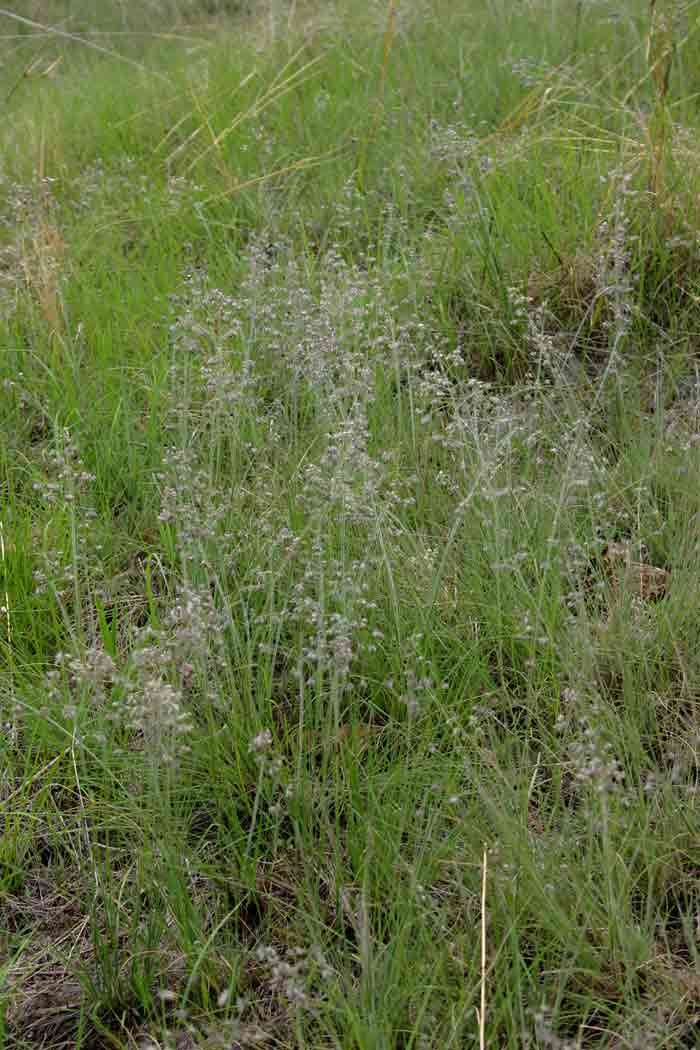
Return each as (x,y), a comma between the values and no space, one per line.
(349,475)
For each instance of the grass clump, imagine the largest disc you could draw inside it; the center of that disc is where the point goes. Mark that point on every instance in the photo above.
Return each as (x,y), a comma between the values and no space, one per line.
(348,487)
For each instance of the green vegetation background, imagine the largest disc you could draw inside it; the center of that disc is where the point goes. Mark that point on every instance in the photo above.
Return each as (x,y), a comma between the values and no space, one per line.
(349,500)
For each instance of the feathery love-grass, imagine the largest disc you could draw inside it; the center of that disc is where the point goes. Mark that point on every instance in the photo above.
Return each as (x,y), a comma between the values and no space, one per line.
(349,491)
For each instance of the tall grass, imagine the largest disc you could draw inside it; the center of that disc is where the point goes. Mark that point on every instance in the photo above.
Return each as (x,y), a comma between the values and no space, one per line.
(349,483)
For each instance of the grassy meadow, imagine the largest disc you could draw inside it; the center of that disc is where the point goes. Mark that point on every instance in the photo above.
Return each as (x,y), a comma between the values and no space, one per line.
(350,525)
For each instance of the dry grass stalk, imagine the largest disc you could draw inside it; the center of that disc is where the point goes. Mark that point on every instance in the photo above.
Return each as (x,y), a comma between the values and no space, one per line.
(41,264)
(482,1007)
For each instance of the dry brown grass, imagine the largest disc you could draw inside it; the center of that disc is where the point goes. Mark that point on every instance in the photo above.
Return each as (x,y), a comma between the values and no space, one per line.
(42,262)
